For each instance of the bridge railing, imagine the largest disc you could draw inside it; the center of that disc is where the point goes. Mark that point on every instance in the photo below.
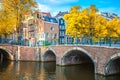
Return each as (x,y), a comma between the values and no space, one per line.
(97,41)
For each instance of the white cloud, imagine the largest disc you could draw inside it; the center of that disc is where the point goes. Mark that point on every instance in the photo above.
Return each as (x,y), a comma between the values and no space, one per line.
(44,8)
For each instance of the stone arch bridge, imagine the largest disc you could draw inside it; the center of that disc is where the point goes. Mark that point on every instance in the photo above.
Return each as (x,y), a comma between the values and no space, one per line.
(106,60)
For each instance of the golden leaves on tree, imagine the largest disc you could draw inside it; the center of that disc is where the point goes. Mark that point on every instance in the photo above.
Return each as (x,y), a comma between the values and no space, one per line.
(88,23)
(13,12)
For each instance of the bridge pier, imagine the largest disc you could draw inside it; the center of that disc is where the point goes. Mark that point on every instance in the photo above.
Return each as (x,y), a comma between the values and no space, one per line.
(38,54)
(17,54)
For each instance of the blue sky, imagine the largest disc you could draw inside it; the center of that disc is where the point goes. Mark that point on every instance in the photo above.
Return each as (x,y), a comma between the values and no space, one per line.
(54,6)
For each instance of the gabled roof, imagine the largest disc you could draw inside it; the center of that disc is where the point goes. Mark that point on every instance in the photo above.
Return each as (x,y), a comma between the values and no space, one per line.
(46,13)
(43,13)
(61,14)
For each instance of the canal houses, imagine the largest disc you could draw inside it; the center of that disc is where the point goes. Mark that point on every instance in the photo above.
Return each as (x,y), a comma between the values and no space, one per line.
(40,29)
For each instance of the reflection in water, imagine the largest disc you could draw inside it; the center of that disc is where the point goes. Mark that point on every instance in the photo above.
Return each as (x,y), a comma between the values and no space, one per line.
(114,77)
(48,71)
(82,72)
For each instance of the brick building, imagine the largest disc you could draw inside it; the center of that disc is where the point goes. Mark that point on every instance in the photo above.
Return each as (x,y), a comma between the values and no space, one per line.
(48,29)
(40,29)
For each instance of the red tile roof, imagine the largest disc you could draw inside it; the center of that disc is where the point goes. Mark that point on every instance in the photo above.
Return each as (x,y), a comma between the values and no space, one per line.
(46,13)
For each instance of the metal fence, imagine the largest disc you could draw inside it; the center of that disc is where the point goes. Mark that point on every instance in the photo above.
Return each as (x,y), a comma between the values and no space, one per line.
(97,41)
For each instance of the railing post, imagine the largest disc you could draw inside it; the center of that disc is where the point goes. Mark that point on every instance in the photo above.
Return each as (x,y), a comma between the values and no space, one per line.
(100,41)
(110,42)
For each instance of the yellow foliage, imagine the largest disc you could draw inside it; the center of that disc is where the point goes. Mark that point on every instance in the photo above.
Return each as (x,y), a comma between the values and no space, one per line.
(113,27)
(7,22)
(13,12)
(88,22)
(80,22)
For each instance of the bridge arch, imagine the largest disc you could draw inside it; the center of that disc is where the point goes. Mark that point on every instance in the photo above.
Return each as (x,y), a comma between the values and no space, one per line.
(81,51)
(6,54)
(49,55)
(78,55)
(112,65)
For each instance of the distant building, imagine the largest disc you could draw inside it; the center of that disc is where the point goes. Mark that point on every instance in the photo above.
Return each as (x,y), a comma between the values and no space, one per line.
(63,38)
(108,16)
(62,28)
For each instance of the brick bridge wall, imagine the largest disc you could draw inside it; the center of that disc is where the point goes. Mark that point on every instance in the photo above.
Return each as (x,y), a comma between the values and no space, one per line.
(99,55)
(23,53)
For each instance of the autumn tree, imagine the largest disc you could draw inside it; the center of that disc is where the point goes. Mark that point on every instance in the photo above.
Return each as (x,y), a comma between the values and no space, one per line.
(72,21)
(88,23)
(81,22)
(7,22)
(113,29)
(19,9)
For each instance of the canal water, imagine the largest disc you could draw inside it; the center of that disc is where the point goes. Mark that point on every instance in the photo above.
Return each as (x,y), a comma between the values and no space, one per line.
(48,71)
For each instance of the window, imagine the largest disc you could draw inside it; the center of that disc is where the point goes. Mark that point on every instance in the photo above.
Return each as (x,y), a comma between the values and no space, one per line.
(62,33)
(46,35)
(63,27)
(35,34)
(51,20)
(63,40)
(35,26)
(61,21)
(42,35)
(60,26)
(38,16)
(60,40)
(52,28)
(51,35)
(55,36)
